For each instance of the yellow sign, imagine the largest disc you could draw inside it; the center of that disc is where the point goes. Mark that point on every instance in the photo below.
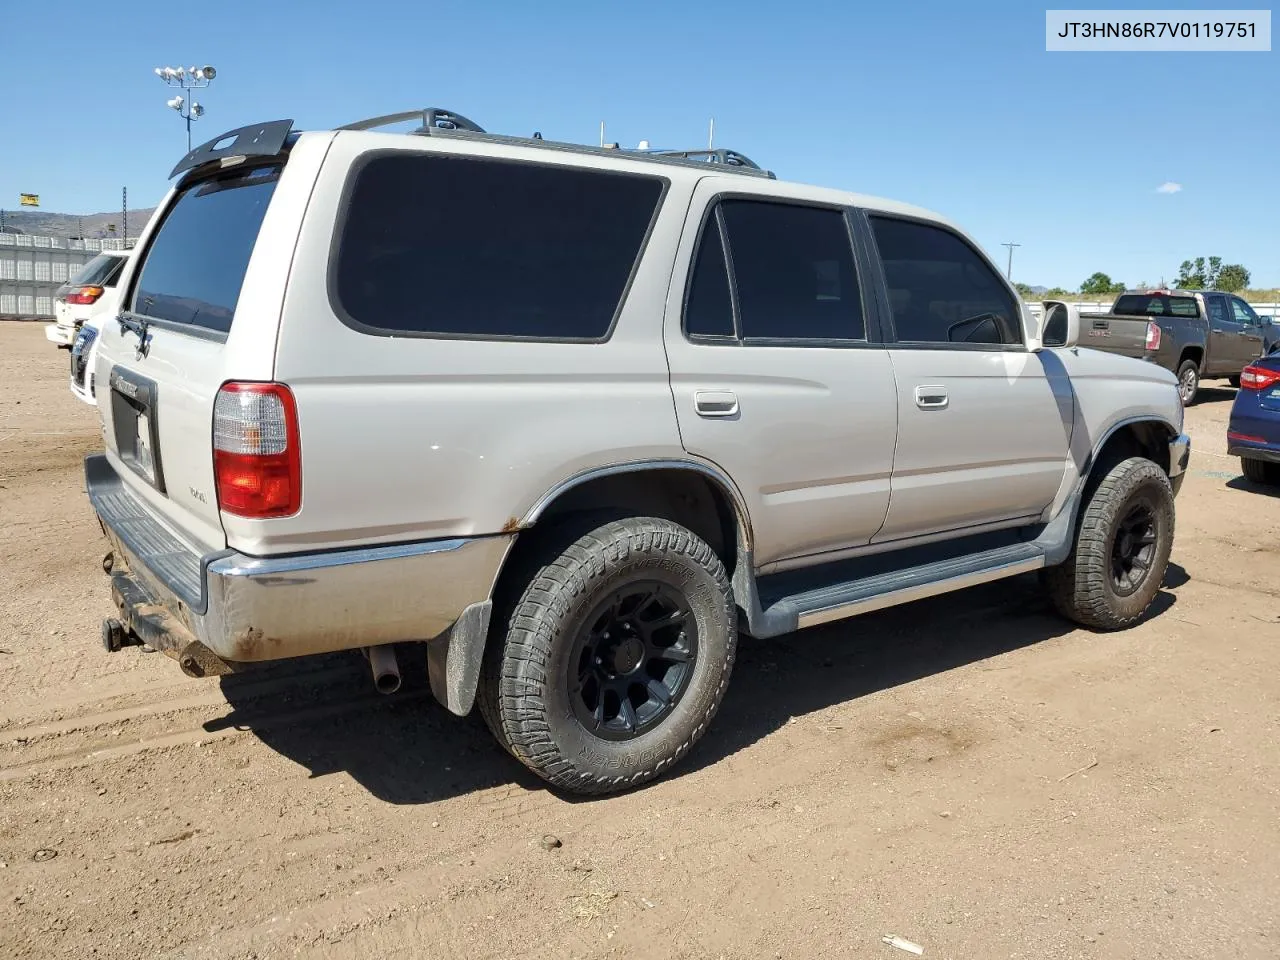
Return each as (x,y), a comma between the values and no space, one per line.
(29,199)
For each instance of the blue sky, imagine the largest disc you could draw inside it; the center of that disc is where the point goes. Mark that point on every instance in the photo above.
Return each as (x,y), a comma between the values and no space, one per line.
(956,107)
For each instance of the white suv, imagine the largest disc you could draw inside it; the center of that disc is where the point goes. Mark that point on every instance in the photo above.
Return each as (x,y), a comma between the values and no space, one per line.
(87,296)
(575,417)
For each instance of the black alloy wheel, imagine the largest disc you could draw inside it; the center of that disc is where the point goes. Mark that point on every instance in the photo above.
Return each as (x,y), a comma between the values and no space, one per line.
(632,660)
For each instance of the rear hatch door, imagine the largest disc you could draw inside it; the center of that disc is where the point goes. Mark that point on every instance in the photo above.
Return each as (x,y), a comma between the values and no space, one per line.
(201,307)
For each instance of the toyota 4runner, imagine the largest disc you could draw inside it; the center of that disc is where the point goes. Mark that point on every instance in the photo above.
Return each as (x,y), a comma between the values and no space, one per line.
(576,417)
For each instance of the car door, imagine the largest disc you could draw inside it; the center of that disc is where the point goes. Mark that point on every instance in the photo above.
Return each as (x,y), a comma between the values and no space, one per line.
(1251,331)
(983,424)
(1222,343)
(777,374)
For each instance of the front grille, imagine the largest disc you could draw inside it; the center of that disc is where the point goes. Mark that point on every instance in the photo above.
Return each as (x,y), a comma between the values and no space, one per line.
(80,355)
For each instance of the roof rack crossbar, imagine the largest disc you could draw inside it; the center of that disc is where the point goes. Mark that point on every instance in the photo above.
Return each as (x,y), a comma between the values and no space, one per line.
(730,158)
(438,120)
(433,118)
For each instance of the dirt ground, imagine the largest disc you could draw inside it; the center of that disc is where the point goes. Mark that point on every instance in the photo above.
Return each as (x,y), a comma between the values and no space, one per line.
(967,772)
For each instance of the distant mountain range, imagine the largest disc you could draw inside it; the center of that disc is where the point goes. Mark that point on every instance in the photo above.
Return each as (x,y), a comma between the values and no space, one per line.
(70,225)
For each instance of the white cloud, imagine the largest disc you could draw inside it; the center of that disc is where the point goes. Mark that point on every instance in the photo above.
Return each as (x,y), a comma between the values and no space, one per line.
(1169,187)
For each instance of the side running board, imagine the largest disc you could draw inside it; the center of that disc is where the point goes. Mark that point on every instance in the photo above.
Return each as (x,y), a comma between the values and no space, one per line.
(841,600)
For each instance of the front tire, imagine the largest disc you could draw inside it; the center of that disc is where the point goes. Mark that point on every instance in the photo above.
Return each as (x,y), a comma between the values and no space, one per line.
(1188,381)
(1261,471)
(616,656)
(1123,540)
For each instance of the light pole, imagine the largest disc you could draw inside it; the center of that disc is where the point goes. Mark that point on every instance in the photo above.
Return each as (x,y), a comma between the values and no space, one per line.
(1008,273)
(186,79)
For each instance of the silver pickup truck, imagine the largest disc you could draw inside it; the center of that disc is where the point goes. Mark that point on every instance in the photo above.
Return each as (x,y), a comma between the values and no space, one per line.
(573,417)
(1195,334)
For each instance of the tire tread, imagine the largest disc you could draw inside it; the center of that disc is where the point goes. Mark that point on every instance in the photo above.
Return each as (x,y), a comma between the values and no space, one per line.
(510,697)
(1078,587)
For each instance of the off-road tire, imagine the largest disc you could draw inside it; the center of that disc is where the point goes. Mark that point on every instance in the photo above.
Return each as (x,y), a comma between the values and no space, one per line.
(1261,471)
(1082,587)
(524,693)
(1188,381)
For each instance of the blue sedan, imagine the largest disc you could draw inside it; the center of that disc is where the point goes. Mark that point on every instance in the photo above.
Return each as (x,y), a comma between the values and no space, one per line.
(1253,434)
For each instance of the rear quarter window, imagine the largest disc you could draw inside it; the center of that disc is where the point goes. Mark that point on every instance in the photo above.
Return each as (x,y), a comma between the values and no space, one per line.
(1156,305)
(434,245)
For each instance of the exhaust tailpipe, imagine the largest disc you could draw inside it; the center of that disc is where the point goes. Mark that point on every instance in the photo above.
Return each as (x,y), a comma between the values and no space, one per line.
(386,671)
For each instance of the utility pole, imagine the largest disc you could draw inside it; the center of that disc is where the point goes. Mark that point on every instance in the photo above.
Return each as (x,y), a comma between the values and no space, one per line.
(1008,273)
(124,215)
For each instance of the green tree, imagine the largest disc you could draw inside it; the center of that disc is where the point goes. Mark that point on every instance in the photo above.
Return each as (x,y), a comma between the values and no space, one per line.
(1197,275)
(1098,283)
(1191,275)
(1024,290)
(1232,278)
(1117,287)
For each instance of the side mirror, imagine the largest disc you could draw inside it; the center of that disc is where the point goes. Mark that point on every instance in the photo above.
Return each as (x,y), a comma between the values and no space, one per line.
(1061,324)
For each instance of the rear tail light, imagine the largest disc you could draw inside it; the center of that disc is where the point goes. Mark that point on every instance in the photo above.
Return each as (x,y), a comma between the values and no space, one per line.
(1258,378)
(257,458)
(1153,336)
(1247,437)
(84,295)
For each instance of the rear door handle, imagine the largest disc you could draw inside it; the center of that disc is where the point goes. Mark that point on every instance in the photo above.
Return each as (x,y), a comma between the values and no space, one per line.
(716,403)
(931,397)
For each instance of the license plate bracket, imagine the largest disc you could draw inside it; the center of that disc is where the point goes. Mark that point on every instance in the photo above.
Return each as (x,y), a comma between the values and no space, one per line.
(136,425)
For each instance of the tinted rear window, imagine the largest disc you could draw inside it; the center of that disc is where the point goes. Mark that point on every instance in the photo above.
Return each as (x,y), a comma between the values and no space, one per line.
(1156,305)
(195,265)
(448,246)
(102,271)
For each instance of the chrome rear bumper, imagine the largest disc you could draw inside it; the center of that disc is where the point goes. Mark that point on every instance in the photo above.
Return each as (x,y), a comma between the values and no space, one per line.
(243,609)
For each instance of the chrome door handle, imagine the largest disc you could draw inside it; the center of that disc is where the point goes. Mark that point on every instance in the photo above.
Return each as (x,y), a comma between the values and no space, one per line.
(716,403)
(931,397)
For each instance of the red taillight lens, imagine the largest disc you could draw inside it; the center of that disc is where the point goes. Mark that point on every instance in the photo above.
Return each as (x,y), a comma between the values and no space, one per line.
(1258,378)
(1153,336)
(85,295)
(257,458)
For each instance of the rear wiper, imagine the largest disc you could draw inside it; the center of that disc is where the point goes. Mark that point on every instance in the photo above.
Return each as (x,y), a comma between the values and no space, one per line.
(137,326)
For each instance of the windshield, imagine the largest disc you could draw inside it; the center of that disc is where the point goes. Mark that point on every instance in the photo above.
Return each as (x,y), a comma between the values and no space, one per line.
(1156,305)
(101,271)
(195,264)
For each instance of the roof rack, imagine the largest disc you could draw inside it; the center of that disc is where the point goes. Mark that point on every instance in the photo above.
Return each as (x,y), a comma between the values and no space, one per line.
(433,118)
(731,158)
(436,120)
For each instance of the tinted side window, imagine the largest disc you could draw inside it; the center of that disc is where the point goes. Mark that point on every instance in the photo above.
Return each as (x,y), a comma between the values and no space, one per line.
(480,248)
(793,269)
(1243,312)
(940,290)
(1217,310)
(709,309)
(195,266)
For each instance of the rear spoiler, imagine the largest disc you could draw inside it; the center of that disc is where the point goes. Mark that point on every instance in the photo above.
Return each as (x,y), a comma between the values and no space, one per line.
(256,140)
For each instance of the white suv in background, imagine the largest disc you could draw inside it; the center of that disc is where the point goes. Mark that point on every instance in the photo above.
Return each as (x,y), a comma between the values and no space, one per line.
(81,306)
(574,417)
(91,293)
